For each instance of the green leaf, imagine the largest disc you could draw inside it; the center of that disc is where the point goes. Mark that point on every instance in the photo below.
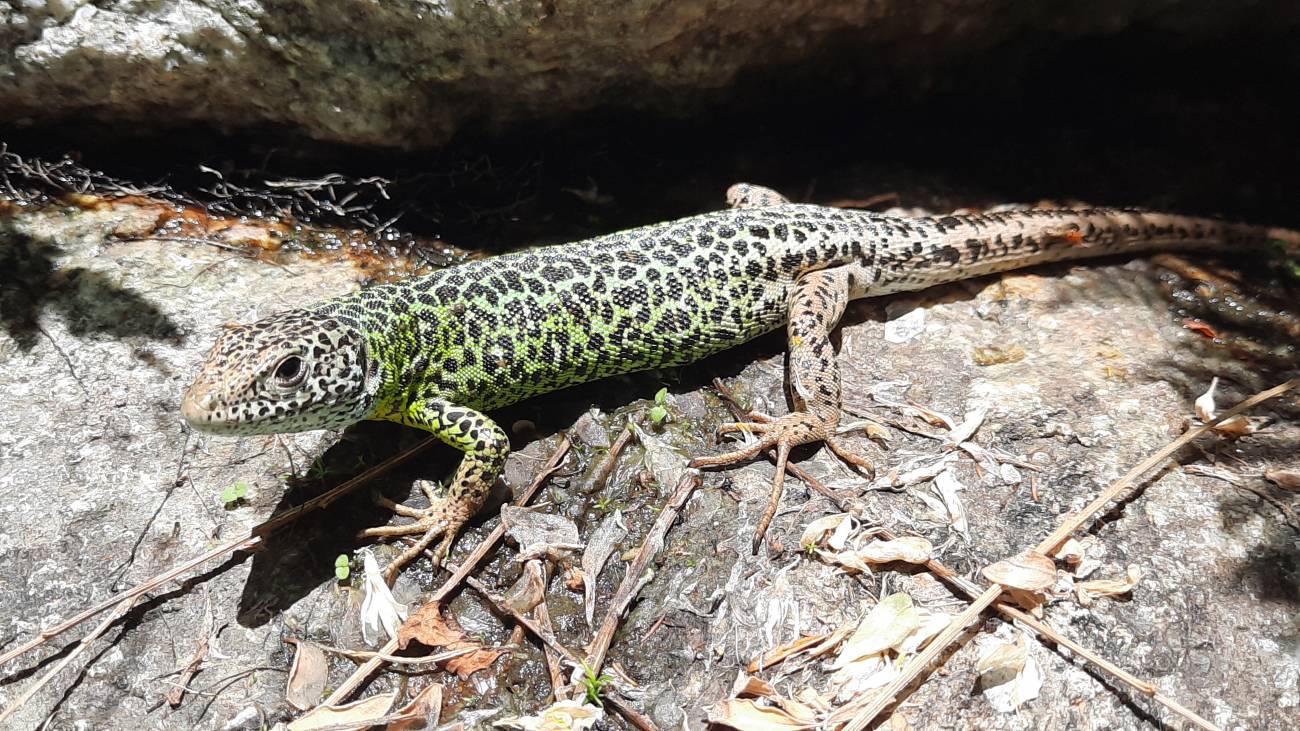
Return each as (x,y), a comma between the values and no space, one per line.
(342,567)
(234,493)
(658,414)
(661,397)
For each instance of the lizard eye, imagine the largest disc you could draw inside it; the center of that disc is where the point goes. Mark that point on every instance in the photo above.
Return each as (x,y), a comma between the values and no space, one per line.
(289,372)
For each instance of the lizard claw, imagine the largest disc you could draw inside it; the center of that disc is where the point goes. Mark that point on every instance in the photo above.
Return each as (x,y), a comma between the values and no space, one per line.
(439,519)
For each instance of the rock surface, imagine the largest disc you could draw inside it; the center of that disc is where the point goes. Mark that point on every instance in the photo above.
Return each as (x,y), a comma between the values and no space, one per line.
(411,73)
(102,487)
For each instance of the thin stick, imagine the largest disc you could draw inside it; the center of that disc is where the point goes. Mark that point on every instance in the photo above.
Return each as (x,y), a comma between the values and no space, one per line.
(122,609)
(553,644)
(611,459)
(243,543)
(1046,631)
(360,675)
(920,662)
(650,547)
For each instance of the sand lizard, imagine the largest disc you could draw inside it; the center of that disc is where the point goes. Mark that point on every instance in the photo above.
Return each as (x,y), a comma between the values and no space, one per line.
(438,351)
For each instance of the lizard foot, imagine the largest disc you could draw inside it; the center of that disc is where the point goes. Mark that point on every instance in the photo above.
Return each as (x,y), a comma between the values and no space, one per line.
(781,434)
(441,518)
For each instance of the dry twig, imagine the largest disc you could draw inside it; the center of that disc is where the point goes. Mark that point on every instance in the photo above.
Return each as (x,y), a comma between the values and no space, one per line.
(869,707)
(359,676)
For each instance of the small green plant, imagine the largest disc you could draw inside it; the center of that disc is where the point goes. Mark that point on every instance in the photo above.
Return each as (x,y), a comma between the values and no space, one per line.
(342,567)
(659,412)
(594,685)
(605,503)
(233,494)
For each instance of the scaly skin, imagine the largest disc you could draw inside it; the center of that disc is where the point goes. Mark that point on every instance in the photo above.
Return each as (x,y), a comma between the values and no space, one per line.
(436,351)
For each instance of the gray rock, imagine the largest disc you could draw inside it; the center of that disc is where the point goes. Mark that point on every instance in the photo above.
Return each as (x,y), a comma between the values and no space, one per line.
(409,73)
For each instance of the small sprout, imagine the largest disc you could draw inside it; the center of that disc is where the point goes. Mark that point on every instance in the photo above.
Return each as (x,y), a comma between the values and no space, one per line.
(342,567)
(233,494)
(605,503)
(594,685)
(659,412)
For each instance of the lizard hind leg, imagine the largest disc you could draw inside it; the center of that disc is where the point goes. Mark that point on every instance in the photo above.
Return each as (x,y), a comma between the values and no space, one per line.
(816,305)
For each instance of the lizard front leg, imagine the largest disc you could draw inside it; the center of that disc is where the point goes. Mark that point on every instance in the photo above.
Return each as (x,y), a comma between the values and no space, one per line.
(816,305)
(485,446)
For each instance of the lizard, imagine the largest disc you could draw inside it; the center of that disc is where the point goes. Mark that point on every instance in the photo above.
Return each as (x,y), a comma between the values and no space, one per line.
(439,351)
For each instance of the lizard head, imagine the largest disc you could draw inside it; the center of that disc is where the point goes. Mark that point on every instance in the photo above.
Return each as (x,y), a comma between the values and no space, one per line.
(295,371)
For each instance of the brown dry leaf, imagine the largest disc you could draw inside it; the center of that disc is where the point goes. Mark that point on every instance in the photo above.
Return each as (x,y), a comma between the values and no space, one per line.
(908,549)
(422,712)
(777,654)
(1071,552)
(1009,676)
(528,590)
(830,525)
(1028,570)
(747,715)
(1285,479)
(932,417)
(360,714)
(1030,601)
(1204,405)
(887,625)
(1237,426)
(1003,662)
(1108,587)
(748,685)
(307,676)
(466,665)
(428,627)
(568,715)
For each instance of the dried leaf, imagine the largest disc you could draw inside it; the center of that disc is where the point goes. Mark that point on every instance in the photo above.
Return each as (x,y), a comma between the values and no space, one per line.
(1071,552)
(359,714)
(909,549)
(1237,426)
(466,665)
(813,644)
(379,608)
(1009,675)
(1028,570)
(540,534)
(1285,479)
(932,417)
(1111,587)
(428,628)
(664,463)
(827,525)
(860,676)
(1002,662)
(602,544)
(884,627)
(528,590)
(307,676)
(747,715)
(969,425)
(568,715)
(748,685)
(947,485)
(1204,405)
(932,623)
(423,712)
(920,474)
